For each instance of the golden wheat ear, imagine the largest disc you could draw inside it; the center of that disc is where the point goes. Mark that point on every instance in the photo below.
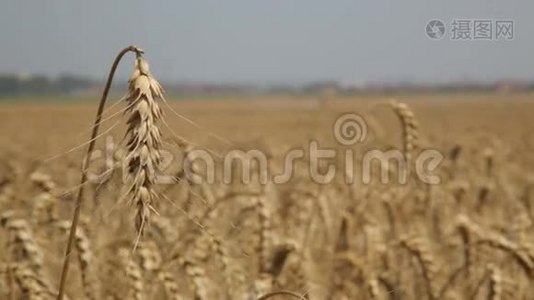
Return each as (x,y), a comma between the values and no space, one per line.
(143,141)
(410,128)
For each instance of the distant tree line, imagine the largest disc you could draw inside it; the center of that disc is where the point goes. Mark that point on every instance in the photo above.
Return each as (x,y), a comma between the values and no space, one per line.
(17,85)
(13,85)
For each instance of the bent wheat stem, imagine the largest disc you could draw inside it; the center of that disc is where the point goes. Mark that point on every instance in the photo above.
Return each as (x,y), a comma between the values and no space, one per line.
(85,165)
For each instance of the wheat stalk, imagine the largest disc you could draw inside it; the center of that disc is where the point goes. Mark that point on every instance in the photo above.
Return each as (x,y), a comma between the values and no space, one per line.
(521,254)
(143,140)
(85,166)
(496,289)
(172,291)
(197,275)
(133,273)
(264,234)
(420,248)
(32,285)
(410,128)
(25,246)
(149,256)
(85,259)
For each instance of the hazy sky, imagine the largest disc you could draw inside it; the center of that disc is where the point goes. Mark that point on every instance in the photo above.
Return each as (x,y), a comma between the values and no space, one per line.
(266,41)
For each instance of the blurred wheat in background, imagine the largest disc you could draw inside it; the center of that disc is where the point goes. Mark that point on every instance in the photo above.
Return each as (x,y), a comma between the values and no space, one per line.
(469,237)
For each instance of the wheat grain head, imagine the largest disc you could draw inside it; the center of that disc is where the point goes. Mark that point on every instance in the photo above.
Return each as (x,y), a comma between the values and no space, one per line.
(143,140)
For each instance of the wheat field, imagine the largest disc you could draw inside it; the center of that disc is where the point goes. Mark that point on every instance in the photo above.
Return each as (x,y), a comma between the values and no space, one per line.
(469,237)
